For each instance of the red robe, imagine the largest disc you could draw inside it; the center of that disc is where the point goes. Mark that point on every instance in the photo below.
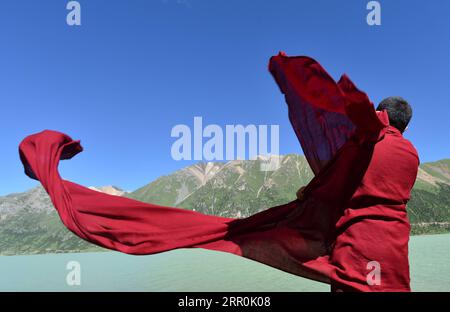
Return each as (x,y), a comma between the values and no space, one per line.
(354,210)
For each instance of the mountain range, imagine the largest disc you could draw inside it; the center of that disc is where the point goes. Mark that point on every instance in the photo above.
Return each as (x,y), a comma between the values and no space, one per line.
(29,224)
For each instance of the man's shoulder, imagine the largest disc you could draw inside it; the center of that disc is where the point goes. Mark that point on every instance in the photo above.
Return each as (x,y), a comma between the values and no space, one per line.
(411,148)
(404,145)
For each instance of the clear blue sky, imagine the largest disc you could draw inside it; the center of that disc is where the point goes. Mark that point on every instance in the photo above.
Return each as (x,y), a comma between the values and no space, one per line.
(134,69)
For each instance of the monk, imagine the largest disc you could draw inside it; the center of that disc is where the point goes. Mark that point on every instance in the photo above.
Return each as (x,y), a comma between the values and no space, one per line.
(373,210)
(348,227)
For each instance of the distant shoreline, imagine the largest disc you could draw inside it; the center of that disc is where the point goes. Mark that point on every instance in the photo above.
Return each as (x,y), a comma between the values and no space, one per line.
(96,249)
(430,228)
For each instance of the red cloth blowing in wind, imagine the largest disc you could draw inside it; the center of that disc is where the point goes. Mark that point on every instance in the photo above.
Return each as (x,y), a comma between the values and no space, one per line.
(354,211)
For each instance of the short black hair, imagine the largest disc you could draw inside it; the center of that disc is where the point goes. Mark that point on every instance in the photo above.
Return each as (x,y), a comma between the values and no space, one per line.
(399,111)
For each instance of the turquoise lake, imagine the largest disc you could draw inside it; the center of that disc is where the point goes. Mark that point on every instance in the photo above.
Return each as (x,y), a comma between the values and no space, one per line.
(197,270)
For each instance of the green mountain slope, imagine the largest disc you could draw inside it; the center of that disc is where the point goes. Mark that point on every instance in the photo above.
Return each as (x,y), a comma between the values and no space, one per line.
(240,188)
(29,224)
(433,175)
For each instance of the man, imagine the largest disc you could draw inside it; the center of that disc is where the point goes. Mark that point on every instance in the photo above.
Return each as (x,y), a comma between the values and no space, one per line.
(360,252)
(350,229)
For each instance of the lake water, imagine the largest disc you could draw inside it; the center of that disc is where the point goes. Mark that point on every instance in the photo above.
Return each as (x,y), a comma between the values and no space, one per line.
(197,270)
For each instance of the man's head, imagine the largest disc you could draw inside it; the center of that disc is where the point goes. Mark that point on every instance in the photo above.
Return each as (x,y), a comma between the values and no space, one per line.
(399,111)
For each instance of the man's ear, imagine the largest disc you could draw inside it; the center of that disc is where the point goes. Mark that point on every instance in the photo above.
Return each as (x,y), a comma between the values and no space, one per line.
(406,128)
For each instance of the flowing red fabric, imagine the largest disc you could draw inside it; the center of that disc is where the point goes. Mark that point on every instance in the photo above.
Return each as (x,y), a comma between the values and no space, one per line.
(354,210)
